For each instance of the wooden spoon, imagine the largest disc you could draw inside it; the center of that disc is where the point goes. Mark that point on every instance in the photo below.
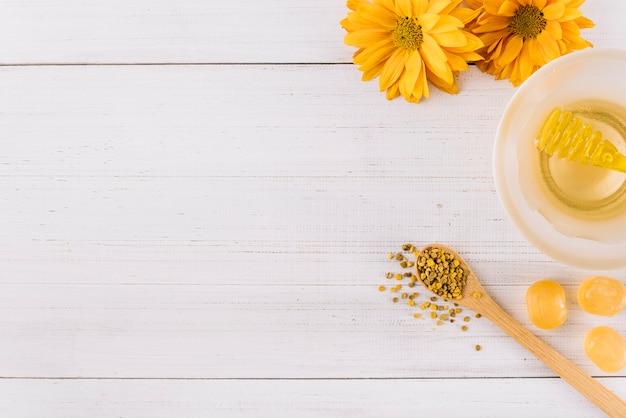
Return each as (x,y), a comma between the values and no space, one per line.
(474,297)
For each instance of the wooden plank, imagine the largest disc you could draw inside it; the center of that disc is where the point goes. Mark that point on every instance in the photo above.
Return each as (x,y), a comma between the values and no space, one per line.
(480,398)
(251,329)
(192,31)
(162,221)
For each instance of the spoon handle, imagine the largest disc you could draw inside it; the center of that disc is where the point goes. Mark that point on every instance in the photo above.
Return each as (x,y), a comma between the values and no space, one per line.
(581,381)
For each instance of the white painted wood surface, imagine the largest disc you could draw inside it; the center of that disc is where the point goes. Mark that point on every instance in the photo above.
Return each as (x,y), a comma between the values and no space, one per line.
(206,239)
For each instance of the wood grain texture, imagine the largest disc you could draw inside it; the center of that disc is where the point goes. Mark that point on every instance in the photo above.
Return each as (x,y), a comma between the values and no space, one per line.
(199,31)
(473,398)
(207,240)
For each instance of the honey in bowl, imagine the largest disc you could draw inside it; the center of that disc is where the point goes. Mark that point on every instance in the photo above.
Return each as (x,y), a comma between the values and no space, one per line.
(601,295)
(574,213)
(583,190)
(606,348)
(545,302)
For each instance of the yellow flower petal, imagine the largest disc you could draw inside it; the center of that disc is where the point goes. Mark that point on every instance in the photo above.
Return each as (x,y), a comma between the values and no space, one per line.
(393,91)
(489,38)
(446,23)
(553,11)
(535,52)
(508,8)
(420,7)
(421,86)
(492,25)
(354,4)
(456,62)
(389,5)
(583,23)
(450,88)
(403,8)
(428,21)
(525,62)
(451,7)
(539,4)
(392,69)
(465,15)
(436,6)
(372,72)
(435,59)
(510,50)
(570,14)
(450,39)
(474,4)
(378,14)
(412,67)
(366,36)
(554,29)
(575,4)
(496,49)
(379,51)
(492,6)
(548,46)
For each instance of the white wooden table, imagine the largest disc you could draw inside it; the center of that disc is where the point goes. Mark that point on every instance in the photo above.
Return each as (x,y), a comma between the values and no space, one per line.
(196,202)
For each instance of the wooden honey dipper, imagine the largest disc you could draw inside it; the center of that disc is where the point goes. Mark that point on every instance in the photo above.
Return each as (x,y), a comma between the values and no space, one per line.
(566,136)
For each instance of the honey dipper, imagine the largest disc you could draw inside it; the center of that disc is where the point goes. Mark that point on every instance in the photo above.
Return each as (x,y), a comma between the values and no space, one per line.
(566,136)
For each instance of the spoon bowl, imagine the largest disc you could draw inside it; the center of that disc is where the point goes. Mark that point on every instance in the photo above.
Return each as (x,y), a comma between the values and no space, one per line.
(443,269)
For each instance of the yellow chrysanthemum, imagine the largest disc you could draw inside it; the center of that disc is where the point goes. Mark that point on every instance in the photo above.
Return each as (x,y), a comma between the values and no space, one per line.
(410,42)
(520,36)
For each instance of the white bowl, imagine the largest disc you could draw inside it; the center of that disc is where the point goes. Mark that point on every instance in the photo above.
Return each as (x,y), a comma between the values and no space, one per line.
(589,241)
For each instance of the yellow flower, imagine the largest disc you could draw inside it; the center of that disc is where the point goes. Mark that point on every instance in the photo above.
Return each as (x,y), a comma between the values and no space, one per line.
(520,36)
(410,42)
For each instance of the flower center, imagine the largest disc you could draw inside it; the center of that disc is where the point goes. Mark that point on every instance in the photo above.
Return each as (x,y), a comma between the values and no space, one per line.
(527,22)
(407,34)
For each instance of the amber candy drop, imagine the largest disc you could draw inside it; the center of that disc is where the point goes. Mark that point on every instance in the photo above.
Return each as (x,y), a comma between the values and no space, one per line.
(606,348)
(545,302)
(601,295)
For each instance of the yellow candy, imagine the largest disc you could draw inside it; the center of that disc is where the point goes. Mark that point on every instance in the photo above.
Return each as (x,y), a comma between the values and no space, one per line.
(606,348)
(602,295)
(545,302)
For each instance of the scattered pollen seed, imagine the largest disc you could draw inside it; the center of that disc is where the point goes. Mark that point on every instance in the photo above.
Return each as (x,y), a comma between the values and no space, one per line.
(442,275)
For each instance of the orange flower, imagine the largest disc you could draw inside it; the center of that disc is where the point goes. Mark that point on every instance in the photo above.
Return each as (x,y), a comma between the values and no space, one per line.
(520,36)
(407,43)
